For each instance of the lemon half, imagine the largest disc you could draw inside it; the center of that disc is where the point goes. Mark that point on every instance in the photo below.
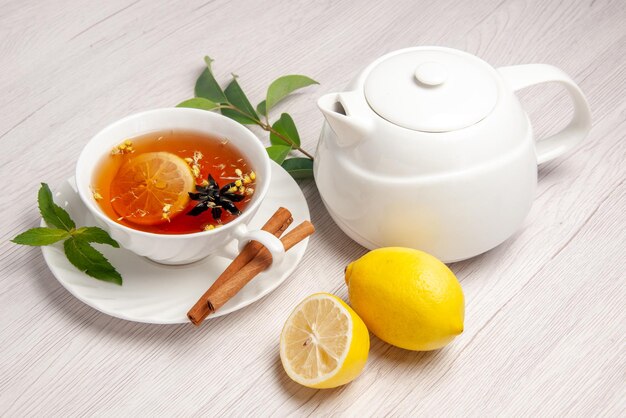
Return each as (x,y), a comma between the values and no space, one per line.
(324,343)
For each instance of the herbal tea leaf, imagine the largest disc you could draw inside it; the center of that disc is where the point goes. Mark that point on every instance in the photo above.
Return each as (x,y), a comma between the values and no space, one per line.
(77,250)
(95,234)
(261,109)
(41,236)
(278,153)
(299,168)
(53,214)
(234,104)
(237,98)
(90,261)
(238,117)
(207,86)
(286,127)
(283,86)
(199,103)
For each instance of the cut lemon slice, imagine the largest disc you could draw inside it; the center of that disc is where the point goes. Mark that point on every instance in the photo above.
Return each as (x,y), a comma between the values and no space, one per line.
(151,188)
(324,343)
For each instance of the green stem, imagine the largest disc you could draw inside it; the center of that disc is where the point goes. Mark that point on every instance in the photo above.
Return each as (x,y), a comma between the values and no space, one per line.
(267,127)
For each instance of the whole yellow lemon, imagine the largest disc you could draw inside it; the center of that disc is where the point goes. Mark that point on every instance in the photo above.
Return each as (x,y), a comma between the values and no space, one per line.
(406,297)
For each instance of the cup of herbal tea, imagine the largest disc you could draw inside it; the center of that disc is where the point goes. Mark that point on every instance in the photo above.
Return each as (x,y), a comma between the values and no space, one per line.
(176,184)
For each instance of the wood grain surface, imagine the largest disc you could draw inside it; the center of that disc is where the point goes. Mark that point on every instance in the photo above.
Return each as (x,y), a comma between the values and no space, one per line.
(545,315)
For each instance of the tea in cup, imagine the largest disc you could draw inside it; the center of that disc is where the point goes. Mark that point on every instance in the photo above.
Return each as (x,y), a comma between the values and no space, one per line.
(176,184)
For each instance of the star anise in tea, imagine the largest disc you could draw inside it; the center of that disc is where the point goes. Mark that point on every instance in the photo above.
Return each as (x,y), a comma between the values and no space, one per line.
(215,198)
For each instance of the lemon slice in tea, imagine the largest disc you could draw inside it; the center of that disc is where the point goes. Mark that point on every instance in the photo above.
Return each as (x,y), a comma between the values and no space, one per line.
(324,343)
(152,188)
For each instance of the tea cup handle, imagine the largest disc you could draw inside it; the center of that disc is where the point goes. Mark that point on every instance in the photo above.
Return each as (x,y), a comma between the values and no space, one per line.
(520,76)
(274,245)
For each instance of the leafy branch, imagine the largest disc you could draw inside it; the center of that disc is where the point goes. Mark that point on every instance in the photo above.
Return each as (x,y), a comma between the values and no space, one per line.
(76,241)
(233,103)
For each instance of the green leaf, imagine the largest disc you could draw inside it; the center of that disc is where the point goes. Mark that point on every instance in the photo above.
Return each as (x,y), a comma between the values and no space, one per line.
(90,261)
(238,117)
(286,127)
(260,108)
(299,168)
(199,103)
(237,98)
(53,214)
(207,86)
(278,153)
(283,86)
(95,234)
(41,236)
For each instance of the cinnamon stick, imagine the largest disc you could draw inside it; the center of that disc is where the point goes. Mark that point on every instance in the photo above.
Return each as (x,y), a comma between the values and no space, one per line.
(277,224)
(217,296)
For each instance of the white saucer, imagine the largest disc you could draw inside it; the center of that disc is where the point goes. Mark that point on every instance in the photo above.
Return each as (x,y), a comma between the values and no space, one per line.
(159,294)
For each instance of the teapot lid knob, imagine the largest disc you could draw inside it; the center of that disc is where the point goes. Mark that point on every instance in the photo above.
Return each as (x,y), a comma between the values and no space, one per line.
(431,74)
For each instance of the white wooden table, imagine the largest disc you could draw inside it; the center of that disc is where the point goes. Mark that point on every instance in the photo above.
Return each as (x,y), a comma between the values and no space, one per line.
(545,315)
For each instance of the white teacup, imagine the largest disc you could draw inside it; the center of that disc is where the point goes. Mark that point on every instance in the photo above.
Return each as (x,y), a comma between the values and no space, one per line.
(182,248)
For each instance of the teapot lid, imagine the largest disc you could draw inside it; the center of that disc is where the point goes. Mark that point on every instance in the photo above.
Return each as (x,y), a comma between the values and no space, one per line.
(432,89)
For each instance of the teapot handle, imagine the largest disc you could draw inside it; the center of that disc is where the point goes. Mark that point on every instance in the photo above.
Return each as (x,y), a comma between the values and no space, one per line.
(520,76)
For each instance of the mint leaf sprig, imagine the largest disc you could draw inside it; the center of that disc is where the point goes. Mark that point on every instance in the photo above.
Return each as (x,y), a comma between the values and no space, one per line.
(76,242)
(233,103)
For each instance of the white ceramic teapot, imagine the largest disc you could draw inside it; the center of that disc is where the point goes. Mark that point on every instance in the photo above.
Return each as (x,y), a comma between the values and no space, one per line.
(430,148)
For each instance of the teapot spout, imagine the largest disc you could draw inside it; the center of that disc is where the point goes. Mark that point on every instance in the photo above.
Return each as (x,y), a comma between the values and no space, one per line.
(338,109)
